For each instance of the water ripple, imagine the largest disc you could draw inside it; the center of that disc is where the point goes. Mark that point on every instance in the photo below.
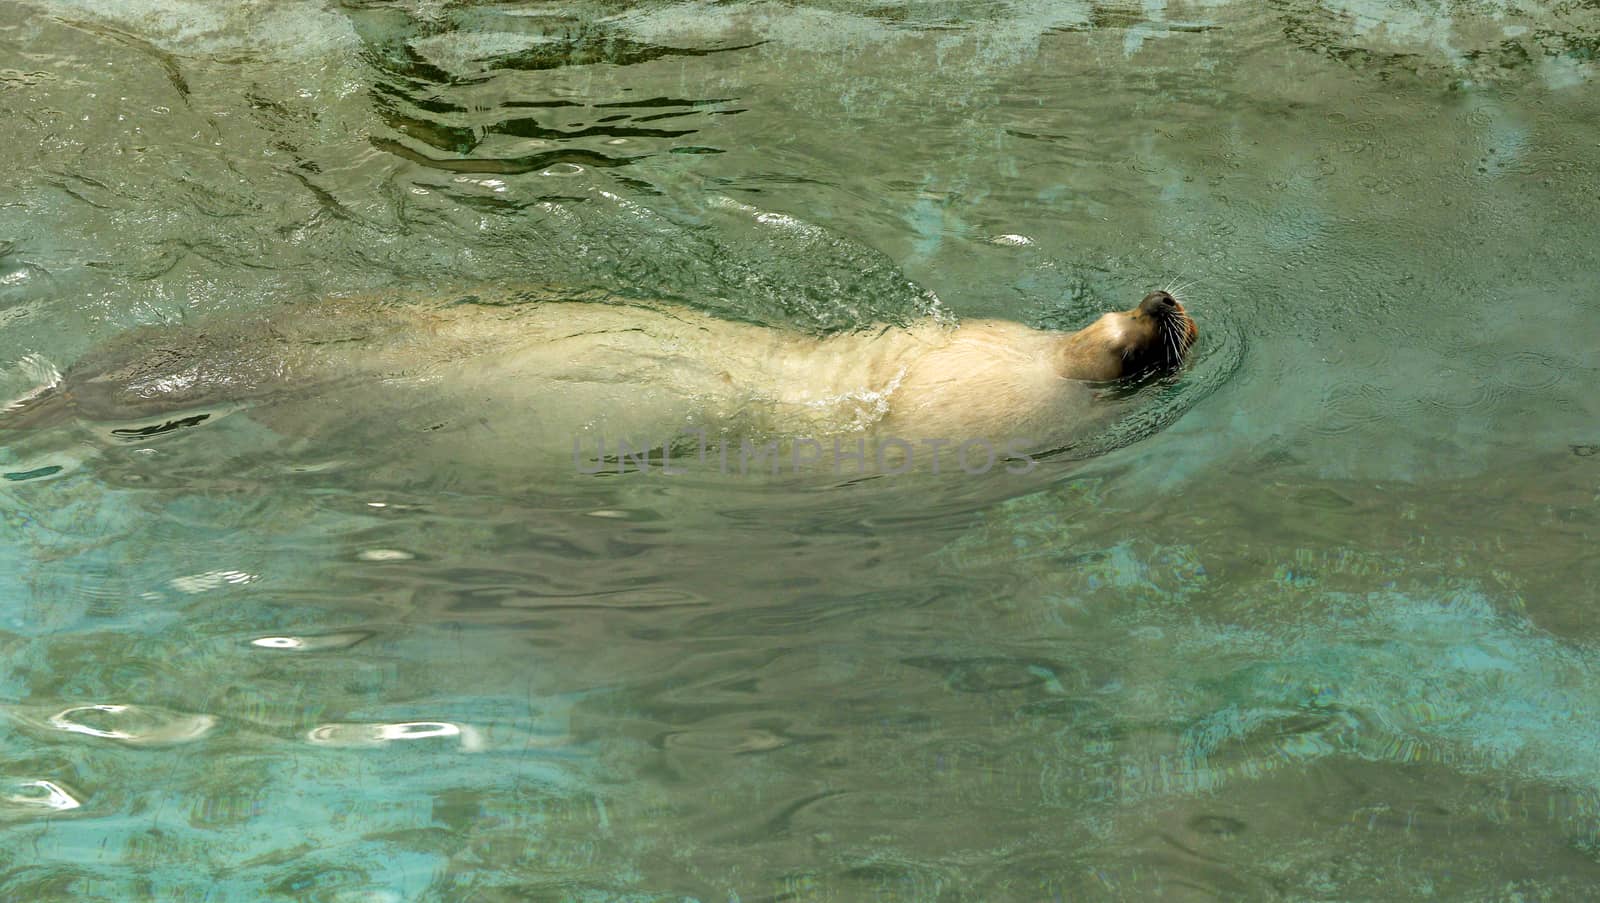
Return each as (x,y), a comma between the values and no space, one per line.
(134,725)
(22,799)
(464,737)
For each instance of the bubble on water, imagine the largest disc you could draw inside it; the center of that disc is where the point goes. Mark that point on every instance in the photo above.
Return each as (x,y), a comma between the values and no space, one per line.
(132,724)
(32,798)
(385,555)
(465,737)
(311,643)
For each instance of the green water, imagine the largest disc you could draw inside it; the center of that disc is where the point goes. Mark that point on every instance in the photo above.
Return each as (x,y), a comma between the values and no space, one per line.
(1319,627)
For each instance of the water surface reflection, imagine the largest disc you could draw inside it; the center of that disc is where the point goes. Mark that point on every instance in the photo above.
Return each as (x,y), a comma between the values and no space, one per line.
(1317,628)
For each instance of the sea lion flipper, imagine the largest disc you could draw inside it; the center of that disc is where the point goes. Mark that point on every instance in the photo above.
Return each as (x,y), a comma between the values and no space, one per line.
(38,404)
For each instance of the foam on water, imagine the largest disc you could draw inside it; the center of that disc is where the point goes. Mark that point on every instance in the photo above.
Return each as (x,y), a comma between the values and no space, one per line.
(282,30)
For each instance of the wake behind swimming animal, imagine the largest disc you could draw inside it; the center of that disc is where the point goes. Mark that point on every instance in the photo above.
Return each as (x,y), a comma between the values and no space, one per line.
(497,375)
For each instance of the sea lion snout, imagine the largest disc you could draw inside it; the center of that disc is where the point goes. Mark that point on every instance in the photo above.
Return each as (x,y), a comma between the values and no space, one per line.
(1159,304)
(1161,335)
(1168,312)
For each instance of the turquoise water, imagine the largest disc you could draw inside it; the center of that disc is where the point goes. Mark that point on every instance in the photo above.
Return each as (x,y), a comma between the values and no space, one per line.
(1316,624)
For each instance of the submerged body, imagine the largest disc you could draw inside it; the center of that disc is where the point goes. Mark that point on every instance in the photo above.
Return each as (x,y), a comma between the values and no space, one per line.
(525,372)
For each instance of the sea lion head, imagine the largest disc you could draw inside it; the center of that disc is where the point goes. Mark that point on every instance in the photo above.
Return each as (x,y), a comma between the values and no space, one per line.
(1155,336)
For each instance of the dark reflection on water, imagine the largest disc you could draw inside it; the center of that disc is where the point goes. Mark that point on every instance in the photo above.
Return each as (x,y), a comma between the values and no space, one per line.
(1312,622)
(441,91)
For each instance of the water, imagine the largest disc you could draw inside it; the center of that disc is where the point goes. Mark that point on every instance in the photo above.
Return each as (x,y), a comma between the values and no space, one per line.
(1315,625)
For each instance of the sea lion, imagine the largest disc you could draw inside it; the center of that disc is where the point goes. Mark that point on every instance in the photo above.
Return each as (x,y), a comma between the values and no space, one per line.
(519,372)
